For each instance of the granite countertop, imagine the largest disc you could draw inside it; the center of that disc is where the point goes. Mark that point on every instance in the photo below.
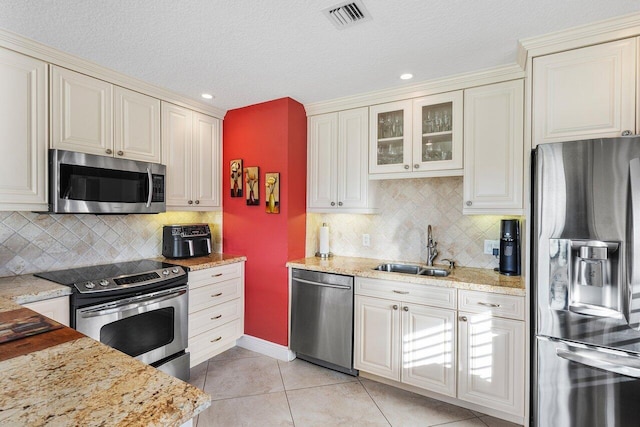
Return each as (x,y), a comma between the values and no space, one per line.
(478,279)
(62,377)
(203,262)
(29,288)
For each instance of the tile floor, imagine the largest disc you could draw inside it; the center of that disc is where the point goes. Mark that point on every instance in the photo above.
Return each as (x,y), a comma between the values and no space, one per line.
(249,389)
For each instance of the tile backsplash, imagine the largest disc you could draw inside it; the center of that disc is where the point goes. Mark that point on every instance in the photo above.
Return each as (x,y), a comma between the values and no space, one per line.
(32,242)
(399,231)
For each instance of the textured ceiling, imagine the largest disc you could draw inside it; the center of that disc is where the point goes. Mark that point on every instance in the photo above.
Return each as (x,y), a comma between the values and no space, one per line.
(250,51)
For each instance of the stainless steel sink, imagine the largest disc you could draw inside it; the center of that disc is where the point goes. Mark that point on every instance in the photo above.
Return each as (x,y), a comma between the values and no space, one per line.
(418,270)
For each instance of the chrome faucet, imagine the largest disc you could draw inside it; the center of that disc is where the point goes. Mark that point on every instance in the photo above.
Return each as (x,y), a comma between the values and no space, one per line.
(432,252)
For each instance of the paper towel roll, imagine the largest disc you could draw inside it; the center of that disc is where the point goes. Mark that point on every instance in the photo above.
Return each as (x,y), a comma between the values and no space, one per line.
(324,240)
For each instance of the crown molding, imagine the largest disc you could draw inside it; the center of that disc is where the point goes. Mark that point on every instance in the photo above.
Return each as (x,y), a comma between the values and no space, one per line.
(576,37)
(447,84)
(26,46)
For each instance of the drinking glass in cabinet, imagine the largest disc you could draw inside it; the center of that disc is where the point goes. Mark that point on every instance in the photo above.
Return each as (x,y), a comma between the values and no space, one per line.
(390,152)
(437,118)
(390,124)
(437,148)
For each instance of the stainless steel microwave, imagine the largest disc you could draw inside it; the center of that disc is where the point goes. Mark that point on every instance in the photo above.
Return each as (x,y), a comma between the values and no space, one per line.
(86,183)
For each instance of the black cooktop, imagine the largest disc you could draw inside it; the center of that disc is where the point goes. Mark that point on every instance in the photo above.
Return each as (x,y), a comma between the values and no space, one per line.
(106,271)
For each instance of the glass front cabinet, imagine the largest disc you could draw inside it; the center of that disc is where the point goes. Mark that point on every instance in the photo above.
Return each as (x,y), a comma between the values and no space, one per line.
(419,137)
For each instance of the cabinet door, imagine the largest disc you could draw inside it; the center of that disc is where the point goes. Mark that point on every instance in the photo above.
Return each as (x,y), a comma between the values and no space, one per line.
(207,161)
(390,147)
(493,153)
(491,359)
(437,132)
(55,308)
(23,120)
(377,336)
(137,126)
(177,123)
(584,93)
(429,348)
(322,161)
(81,113)
(353,178)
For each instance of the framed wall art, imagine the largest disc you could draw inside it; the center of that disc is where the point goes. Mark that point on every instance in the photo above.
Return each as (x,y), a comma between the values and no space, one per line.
(236,178)
(251,175)
(272,197)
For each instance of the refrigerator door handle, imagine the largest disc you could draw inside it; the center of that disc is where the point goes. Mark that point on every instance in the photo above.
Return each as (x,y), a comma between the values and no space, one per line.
(633,258)
(618,364)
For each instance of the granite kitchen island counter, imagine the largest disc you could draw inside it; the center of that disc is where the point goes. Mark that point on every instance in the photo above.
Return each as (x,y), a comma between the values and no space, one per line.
(64,378)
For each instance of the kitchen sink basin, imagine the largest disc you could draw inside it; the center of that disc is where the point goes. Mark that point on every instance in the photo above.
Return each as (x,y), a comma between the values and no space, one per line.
(418,270)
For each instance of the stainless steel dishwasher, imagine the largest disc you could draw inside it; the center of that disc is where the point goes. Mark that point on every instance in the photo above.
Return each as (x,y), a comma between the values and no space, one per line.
(322,319)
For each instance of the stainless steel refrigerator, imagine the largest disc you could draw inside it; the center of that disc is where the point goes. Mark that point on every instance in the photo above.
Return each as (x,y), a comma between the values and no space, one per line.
(586,283)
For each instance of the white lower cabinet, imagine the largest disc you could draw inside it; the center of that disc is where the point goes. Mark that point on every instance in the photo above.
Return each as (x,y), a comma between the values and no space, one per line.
(55,308)
(476,355)
(216,310)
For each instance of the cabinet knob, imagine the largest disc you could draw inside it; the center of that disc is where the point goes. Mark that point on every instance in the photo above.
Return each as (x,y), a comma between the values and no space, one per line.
(190,202)
(120,153)
(108,151)
(197,202)
(462,318)
(395,306)
(469,203)
(405,308)
(339,203)
(627,133)
(416,166)
(333,203)
(406,167)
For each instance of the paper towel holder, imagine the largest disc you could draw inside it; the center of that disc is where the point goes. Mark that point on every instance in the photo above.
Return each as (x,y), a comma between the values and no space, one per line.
(323,256)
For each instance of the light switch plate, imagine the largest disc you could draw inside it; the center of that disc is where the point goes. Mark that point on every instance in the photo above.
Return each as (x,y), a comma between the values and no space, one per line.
(490,245)
(366,240)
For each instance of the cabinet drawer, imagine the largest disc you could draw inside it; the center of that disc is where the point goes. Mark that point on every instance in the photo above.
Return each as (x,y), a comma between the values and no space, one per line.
(410,292)
(212,317)
(210,343)
(509,306)
(207,296)
(214,275)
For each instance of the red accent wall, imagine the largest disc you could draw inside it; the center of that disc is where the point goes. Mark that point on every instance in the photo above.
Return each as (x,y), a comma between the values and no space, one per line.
(272,136)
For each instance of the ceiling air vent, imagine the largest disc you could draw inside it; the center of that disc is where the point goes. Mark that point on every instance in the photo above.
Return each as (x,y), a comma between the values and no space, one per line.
(347,14)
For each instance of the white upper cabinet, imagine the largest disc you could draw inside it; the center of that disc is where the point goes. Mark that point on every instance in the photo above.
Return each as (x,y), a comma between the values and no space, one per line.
(416,138)
(585,93)
(82,114)
(23,120)
(337,163)
(137,125)
(192,150)
(493,153)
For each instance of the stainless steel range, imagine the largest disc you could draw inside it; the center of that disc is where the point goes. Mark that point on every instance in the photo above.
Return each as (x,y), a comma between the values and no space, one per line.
(137,307)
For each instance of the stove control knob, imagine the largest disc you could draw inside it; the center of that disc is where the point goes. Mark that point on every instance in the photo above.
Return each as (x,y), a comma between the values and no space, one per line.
(165,272)
(89,285)
(104,282)
(175,270)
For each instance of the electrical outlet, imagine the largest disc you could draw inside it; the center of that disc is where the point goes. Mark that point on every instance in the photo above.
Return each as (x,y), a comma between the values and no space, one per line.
(490,245)
(366,240)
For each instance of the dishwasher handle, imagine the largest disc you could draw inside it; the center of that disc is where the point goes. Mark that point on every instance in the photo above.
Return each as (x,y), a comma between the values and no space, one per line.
(324,285)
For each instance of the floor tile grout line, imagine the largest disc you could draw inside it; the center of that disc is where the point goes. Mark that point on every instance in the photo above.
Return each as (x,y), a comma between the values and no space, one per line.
(286,395)
(457,421)
(374,402)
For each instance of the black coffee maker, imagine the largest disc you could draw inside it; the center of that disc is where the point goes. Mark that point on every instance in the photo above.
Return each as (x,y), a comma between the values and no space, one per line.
(509,247)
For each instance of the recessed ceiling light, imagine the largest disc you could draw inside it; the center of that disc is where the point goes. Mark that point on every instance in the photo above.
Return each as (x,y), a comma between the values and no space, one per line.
(207,96)
(406,76)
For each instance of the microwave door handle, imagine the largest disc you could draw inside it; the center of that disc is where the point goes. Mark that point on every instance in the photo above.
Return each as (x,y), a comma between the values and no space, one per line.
(633,258)
(150,177)
(623,365)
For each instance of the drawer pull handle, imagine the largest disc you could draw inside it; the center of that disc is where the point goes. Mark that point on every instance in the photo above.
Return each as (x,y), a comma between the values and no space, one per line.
(401,292)
(217,339)
(463,318)
(405,308)
(216,295)
(217,317)
(394,306)
(217,275)
(488,304)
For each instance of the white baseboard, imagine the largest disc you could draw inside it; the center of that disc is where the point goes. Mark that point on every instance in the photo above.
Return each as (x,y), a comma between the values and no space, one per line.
(267,348)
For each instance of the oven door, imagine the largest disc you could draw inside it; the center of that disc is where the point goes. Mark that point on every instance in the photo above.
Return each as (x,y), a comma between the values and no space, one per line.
(149,327)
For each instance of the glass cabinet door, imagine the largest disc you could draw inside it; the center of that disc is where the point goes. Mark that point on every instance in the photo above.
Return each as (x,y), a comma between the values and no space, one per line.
(390,133)
(437,139)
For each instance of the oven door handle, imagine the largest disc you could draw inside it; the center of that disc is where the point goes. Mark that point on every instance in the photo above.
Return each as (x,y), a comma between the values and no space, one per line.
(150,177)
(131,304)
